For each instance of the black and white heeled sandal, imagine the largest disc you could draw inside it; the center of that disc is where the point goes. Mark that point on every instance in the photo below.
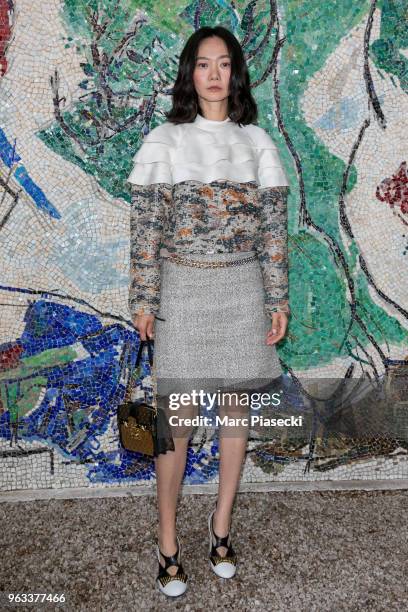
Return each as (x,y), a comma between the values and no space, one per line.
(224,567)
(176,585)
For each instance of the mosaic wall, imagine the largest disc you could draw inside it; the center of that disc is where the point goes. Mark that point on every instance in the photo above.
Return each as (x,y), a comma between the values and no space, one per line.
(81,82)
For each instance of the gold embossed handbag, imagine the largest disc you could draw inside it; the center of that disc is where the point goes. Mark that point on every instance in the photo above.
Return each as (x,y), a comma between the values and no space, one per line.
(137,420)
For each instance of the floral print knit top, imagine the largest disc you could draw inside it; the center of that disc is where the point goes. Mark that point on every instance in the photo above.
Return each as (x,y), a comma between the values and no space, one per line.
(207,187)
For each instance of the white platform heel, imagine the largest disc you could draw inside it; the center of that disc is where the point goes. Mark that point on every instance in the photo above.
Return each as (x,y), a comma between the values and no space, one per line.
(176,585)
(224,567)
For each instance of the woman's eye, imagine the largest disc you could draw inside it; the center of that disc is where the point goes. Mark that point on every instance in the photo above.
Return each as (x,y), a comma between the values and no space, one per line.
(204,64)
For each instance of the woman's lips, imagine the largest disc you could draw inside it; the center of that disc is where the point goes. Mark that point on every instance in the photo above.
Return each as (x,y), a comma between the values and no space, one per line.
(215,88)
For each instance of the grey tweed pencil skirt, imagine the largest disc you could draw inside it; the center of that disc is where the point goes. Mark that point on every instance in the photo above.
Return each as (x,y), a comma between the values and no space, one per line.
(213,335)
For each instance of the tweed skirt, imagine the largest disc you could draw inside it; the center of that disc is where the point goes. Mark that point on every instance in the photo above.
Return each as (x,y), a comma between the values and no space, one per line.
(213,332)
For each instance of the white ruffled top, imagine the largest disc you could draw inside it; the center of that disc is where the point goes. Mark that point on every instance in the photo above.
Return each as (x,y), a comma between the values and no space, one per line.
(207,150)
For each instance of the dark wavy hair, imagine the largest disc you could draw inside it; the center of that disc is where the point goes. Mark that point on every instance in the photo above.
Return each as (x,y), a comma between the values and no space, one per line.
(241,105)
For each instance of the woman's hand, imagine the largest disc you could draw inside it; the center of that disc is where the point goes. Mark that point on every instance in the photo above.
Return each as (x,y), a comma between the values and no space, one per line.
(144,325)
(278,327)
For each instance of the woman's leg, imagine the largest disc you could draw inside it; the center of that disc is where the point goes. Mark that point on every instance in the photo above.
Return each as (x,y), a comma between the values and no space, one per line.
(169,475)
(232,446)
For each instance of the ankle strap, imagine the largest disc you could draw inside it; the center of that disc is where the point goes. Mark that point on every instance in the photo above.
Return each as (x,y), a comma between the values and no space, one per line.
(171,559)
(219,541)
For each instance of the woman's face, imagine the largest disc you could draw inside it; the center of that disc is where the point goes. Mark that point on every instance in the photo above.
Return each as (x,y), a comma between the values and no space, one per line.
(212,71)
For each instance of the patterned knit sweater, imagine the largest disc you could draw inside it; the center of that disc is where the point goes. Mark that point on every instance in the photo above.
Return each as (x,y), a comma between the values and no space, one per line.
(207,187)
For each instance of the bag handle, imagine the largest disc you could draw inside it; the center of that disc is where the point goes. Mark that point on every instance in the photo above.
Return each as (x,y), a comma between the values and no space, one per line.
(142,344)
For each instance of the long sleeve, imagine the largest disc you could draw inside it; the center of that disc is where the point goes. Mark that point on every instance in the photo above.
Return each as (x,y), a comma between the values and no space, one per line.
(272,247)
(147,218)
(151,189)
(272,240)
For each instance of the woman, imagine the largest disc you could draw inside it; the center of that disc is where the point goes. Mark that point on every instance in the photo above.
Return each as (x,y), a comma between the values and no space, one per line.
(208,269)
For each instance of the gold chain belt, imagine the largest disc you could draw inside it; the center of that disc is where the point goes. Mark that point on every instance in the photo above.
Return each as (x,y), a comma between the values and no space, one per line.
(211,264)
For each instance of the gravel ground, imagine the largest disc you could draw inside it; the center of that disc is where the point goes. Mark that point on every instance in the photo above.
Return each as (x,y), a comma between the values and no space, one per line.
(311,551)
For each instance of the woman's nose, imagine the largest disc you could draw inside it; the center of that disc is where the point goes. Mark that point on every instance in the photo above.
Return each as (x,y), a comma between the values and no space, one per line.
(214,74)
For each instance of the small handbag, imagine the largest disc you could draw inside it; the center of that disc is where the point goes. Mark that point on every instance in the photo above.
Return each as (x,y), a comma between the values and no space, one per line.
(137,420)
(142,427)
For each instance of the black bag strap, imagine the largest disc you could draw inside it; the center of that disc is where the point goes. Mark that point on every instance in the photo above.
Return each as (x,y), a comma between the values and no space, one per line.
(142,344)
(149,344)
